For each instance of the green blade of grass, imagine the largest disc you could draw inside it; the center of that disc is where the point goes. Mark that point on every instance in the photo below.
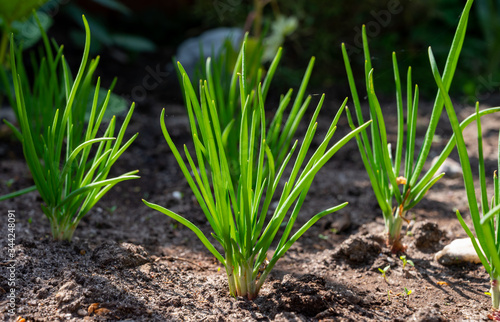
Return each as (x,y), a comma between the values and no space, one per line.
(482,174)
(449,71)
(482,234)
(400,114)
(18,193)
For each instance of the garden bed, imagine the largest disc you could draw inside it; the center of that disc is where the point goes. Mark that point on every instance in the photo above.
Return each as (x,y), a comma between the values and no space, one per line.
(129,262)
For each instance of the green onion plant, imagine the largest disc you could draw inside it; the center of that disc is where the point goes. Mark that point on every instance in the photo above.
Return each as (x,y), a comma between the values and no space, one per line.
(486,214)
(240,213)
(397,177)
(69,163)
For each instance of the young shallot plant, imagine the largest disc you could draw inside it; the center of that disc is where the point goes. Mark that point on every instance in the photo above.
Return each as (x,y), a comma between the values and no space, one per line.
(485,215)
(388,180)
(239,213)
(69,174)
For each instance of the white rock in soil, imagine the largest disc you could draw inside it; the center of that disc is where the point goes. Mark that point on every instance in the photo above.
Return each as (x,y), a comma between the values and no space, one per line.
(177,195)
(82,312)
(458,251)
(450,167)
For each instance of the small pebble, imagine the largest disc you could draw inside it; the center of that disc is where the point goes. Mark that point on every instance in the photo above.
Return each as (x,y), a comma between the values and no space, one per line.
(457,252)
(82,312)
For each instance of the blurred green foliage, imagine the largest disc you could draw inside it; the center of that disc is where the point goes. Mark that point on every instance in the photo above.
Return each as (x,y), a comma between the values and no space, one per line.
(13,15)
(108,34)
(16,17)
(407,27)
(11,10)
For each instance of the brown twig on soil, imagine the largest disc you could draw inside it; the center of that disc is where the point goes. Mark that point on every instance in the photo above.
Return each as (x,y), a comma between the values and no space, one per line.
(184,260)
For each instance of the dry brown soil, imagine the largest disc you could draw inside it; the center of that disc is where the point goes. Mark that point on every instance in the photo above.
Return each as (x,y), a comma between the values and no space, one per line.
(130,263)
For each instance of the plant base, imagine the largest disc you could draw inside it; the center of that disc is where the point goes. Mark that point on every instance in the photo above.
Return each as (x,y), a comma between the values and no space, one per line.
(495,294)
(394,233)
(396,245)
(62,231)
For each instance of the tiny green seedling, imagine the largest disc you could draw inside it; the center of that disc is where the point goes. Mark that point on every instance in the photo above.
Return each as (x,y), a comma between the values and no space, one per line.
(383,271)
(334,231)
(10,182)
(111,209)
(407,293)
(406,261)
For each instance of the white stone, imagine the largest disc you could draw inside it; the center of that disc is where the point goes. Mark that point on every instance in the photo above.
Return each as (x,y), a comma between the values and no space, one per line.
(82,312)
(458,251)
(177,195)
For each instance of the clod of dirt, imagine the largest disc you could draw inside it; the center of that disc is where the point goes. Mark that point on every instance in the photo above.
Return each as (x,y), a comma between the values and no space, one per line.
(358,249)
(306,295)
(427,236)
(70,297)
(339,223)
(120,255)
(426,315)
(381,262)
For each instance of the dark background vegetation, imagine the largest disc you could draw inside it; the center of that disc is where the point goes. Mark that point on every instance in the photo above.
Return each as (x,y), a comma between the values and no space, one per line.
(323,26)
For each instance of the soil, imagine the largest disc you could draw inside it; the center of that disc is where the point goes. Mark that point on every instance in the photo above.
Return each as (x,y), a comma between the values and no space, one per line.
(128,262)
